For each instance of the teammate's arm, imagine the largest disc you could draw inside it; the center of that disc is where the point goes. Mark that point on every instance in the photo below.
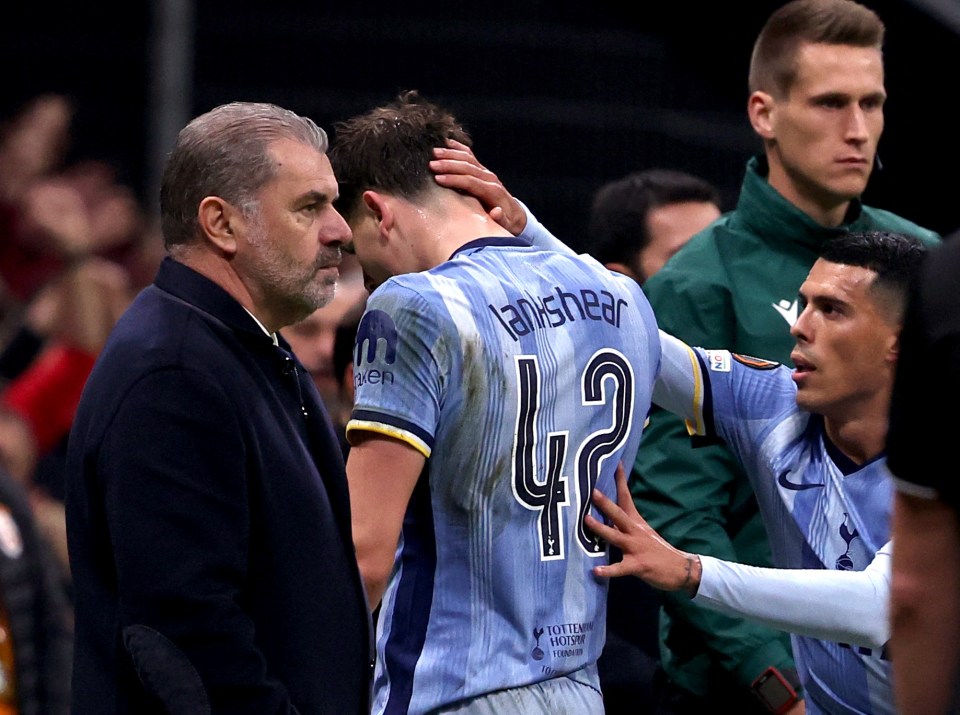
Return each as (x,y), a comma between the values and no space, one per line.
(456,167)
(382,473)
(787,599)
(793,600)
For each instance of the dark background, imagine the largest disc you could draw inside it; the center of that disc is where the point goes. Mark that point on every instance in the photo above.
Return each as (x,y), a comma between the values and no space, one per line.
(560,96)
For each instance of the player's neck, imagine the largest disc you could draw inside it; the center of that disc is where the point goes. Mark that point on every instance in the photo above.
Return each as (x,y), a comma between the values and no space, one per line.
(456,223)
(860,438)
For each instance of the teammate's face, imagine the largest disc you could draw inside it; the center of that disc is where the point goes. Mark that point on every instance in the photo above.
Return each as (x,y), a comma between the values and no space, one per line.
(846,345)
(292,242)
(823,135)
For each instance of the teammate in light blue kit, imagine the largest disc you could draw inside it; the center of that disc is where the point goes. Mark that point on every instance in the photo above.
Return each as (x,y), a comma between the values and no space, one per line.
(496,386)
(812,442)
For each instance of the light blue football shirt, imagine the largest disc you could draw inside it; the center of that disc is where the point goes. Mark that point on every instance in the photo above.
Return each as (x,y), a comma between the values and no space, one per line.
(524,376)
(820,510)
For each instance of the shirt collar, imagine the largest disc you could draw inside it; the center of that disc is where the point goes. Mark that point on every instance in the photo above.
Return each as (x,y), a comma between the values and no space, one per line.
(479,243)
(272,336)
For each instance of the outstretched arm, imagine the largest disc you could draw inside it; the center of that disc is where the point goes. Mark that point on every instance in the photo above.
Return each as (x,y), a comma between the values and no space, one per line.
(792,599)
(786,599)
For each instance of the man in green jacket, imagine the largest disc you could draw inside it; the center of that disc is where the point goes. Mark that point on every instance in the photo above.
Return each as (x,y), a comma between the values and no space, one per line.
(817,95)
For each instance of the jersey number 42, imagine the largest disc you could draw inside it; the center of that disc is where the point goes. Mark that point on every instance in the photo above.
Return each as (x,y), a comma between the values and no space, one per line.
(607,383)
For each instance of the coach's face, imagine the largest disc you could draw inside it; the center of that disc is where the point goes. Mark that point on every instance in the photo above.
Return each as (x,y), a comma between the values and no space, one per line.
(846,345)
(291,243)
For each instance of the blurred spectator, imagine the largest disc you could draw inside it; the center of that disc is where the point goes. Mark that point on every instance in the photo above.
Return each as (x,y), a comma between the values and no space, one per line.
(33,144)
(639,221)
(36,623)
(68,323)
(75,246)
(344,339)
(52,215)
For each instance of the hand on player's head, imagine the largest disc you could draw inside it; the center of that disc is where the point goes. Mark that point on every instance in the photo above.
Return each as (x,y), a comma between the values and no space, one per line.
(456,167)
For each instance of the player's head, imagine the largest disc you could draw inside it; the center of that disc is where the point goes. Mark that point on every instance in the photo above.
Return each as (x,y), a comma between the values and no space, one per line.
(775,61)
(816,100)
(402,220)
(389,148)
(852,308)
(639,221)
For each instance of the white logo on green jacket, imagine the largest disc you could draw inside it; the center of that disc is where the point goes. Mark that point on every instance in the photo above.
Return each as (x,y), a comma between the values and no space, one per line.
(787,310)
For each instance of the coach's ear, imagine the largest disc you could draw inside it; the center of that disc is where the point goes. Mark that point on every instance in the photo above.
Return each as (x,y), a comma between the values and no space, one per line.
(220,221)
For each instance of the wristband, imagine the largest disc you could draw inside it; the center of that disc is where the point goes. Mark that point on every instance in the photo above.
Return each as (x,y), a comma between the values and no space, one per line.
(777,689)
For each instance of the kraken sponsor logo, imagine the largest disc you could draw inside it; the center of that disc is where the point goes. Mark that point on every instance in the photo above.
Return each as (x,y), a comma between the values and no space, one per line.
(376,330)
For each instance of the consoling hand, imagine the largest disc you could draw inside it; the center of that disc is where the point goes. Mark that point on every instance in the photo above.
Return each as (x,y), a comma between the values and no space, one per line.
(456,167)
(645,554)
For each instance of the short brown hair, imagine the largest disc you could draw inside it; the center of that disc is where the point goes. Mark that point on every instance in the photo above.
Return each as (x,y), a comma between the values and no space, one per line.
(389,148)
(773,66)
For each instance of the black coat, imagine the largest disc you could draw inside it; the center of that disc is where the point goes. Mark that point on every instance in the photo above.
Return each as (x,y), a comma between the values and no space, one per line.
(208,521)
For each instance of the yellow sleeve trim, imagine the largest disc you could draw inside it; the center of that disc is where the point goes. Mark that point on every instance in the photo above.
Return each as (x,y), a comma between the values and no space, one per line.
(697,426)
(389,431)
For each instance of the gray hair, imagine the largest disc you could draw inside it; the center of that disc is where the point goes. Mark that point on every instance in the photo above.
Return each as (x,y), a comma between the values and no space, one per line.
(224,153)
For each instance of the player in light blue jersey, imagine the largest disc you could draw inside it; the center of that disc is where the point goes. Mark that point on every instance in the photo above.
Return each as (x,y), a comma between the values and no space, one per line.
(811,440)
(816,464)
(497,385)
